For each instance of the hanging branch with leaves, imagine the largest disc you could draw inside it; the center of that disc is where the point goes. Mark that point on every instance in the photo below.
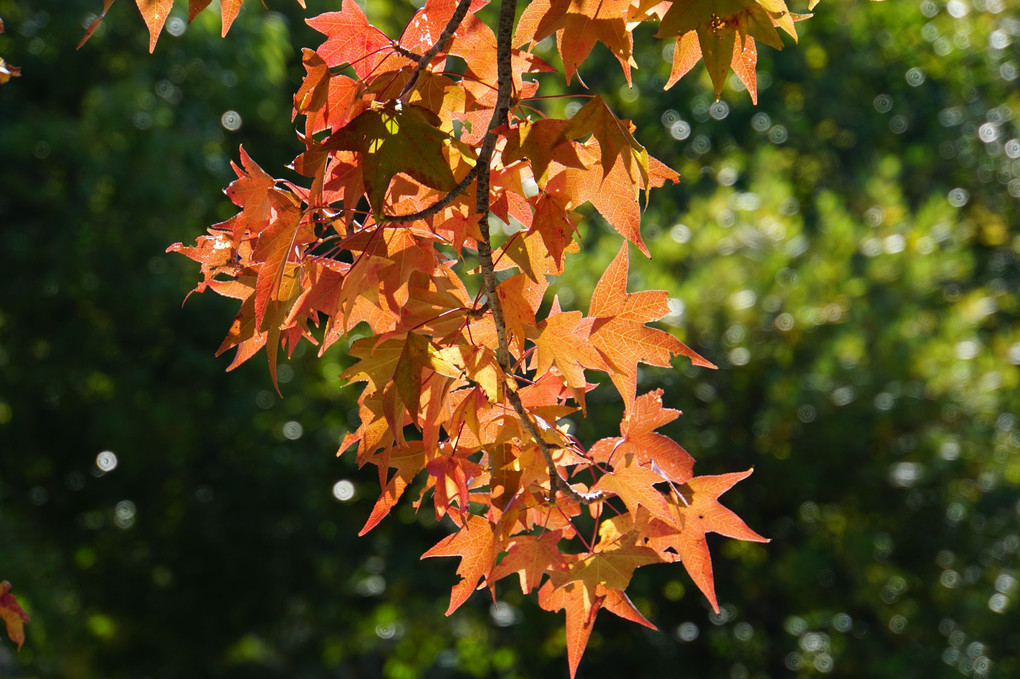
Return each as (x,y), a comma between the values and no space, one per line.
(412,147)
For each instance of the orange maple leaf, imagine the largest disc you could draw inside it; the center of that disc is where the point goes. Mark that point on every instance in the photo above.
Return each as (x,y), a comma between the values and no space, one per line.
(648,448)
(615,196)
(155,13)
(688,52)
(563,340)
(634,485)
(531,557)
(408,460)
(276,246)
(394,139)
(475,544)
(250,192)
(699,512)
(619,331)
(542,142)
(724,37)
(578,25)
(581,605)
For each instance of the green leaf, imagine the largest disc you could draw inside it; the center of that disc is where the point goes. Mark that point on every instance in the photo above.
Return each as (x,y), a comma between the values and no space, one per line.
(397,139)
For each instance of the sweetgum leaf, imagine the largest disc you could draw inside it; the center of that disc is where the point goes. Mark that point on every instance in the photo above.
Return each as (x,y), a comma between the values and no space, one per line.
(620,333)
(396,139)
(474,544)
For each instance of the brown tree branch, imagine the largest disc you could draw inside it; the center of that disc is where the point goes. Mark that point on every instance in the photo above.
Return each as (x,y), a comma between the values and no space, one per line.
(504,96)
(439,204)
(451,27)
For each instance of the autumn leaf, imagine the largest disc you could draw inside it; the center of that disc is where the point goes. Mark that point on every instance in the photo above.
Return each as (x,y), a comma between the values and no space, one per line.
(276,245)
(12,613)
(94,24)
(581,605)
(543,141)
(196,6)
(612,568)
(580,608)
(531,557)
(619,331)
(396,139)
(614,195)
(408,460)
(699,513)
(688,52)
(615,139)
(350,39)
(554,221)
(228,12)
(640,441)
(578,25)
(634,485)
(520,297)
(378,361)
(618,603)
(250,192)
(723,34)
(473,40)
(449,477)
(474,543)
(8,71)
(155,13)
(563,340)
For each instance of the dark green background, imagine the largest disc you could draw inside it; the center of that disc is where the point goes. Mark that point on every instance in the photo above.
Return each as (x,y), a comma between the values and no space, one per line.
(847,252)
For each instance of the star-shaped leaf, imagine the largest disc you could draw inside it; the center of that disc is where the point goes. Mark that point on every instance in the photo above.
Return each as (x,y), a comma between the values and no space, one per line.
(474,543)
(531,557)
(564,341)
(350,39)
(619,331)
(634,485)
(699,512)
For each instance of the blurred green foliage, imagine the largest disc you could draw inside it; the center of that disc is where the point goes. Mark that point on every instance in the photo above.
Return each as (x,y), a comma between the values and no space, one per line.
(846,251)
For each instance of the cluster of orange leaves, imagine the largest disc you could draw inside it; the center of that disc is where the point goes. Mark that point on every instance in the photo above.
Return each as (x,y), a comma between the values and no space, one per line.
(388,136)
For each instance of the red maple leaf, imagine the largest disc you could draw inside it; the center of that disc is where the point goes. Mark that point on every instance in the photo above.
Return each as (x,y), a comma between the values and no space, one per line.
(350,39)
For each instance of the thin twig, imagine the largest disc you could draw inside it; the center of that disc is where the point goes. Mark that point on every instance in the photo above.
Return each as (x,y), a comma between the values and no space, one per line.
(404,52)
(439,204)
(451,26)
